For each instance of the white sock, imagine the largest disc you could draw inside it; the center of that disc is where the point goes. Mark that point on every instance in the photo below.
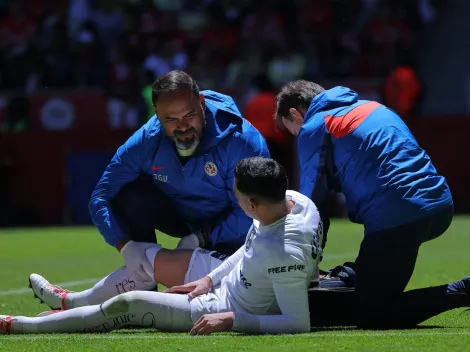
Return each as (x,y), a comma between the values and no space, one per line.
(72,320)
(166,312)
(188,242)
(119,281)
(150,254)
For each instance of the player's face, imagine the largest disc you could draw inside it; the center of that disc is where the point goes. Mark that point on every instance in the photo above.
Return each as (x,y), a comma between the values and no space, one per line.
(295,121)
(182,117)
(244,202)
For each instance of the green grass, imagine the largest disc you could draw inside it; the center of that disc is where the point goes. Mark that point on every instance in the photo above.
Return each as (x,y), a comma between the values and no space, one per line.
(79,253)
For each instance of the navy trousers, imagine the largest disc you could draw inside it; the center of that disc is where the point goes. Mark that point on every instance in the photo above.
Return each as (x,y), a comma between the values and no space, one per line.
(386,262)
(384,267)
(140,208)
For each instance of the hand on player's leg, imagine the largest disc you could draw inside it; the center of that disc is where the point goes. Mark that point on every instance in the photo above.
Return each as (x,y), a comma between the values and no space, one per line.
(209,323)
(193,289)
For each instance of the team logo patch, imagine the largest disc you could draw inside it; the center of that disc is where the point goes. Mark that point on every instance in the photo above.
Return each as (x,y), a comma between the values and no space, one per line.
(210,168)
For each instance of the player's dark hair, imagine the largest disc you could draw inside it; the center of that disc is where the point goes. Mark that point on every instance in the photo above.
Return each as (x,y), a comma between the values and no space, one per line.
(261,178)
(296,94)
(173,81)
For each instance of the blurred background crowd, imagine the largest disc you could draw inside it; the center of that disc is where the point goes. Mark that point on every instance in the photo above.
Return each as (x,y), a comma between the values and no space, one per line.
(232,46)
(74,73)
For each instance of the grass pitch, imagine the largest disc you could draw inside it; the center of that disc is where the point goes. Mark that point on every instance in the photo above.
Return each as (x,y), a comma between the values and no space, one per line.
(77,257)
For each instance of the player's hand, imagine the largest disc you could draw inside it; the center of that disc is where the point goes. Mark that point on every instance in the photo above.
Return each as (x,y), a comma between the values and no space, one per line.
(136,261)
(193,289)
(210,323)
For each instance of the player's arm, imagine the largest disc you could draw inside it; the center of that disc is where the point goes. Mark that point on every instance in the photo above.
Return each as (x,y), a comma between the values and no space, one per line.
(230,232)
(204,285)
(227,265)
(316,162)
(125,166)
(290,288)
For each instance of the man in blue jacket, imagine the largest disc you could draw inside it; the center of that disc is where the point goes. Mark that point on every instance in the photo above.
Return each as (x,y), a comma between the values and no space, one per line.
(175,174)
(366,151)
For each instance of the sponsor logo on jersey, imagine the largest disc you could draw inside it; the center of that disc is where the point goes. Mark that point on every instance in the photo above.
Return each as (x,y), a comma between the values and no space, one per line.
(244,280)
(286,269)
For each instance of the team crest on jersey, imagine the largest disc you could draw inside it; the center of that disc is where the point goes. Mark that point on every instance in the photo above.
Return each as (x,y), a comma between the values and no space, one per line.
(210,168)
(249,239)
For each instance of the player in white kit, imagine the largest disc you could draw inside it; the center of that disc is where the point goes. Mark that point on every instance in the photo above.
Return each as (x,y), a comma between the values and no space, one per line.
(262,288)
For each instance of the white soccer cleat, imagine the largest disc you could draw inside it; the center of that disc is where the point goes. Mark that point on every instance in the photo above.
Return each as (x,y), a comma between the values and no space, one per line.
(5,324)
(53,296)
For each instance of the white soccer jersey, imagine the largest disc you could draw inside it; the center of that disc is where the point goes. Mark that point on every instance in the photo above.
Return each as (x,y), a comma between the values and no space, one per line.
(265,282)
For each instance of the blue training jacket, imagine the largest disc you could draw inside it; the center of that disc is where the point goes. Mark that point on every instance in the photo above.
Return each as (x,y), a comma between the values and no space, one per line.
(202,189)
(369,152)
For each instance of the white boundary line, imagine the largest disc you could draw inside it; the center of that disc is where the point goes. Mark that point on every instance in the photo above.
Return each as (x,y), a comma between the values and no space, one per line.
(62,284)
(117,336)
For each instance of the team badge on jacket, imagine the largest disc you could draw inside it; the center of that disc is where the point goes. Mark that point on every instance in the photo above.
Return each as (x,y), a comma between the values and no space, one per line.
(210,168)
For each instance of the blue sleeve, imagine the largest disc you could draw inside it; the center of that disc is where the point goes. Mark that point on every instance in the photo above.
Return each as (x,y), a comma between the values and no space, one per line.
(125,167)
(230,233)
(316,163)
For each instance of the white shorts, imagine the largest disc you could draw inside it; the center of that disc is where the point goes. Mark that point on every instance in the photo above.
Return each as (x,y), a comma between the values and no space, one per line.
(202,262)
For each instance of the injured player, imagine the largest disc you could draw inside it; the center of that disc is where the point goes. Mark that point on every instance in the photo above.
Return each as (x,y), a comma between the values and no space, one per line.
(261,288)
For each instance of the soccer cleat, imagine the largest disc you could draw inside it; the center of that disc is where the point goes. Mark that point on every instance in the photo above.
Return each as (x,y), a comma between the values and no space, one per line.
(460,287)
(466,282)
(53,296)
(340,276)
(464,287)
(5,324)
(330,282)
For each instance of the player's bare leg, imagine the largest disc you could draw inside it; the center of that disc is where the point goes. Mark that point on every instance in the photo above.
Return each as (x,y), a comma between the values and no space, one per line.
(170,267)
